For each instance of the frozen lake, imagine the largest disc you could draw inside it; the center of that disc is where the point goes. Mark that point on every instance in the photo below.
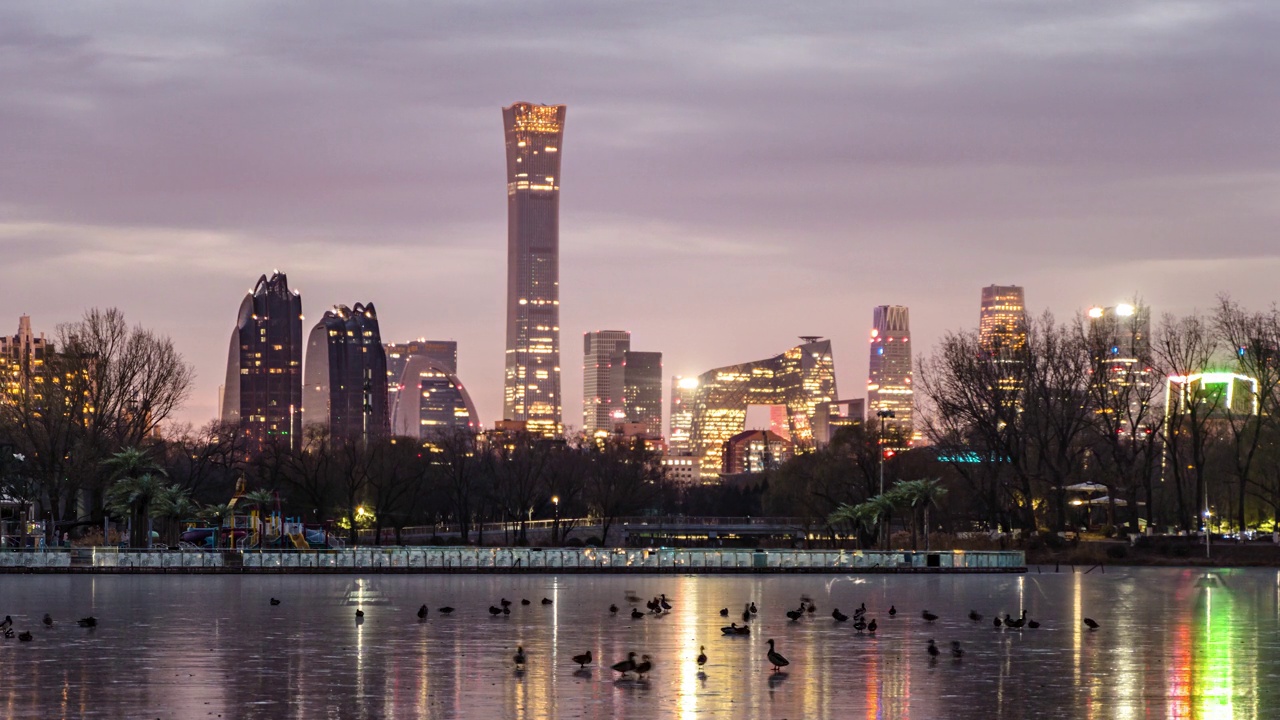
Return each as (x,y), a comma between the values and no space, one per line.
(1171,645)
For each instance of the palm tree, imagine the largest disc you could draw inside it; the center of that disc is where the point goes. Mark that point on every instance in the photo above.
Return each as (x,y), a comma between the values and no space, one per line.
(923,494)
(173,504)
(869,513)
(134,497)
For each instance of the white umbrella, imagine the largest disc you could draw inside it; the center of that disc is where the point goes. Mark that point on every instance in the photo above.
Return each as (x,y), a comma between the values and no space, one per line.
(1086,487)
(1105,500)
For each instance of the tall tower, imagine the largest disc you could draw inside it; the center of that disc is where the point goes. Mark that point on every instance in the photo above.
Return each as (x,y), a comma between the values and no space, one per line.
(889,385)
(264,365)
(532,386)
(684,390)
(642,389)
(346,376)
(1003,322)
(602,388)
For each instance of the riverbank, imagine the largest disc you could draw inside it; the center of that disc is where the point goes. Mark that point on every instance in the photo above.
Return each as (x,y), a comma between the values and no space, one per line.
(1157,552)
(511,560)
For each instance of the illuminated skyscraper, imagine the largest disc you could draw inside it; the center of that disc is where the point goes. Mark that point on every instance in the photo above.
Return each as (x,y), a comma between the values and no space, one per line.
(406,362)
(443,403)
(1120,347)
(801,379)
(642,389)
(1003,322)
(684,391)
(345,385)
(21,357)
(263,392)
(889,382)
(602,390)
(532,387)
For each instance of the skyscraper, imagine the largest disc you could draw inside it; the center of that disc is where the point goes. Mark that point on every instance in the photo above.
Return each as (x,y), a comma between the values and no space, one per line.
(346,375)
(602,381)
(684,391)
(642,389)
(443,404)
(889,384)
(801,379)
(264,364)
(21,357)
(406,362)
(1120,347)
(532,385)
(1002,324)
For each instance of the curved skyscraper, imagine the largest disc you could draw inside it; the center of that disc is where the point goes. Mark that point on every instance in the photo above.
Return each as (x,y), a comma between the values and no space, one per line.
(346,380)
(532,385)
(264,364)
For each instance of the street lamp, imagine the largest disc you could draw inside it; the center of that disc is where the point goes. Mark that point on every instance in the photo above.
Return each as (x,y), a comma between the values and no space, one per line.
(555,525)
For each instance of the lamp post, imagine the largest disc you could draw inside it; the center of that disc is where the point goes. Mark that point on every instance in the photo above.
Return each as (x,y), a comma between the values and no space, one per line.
(555,524)
(883,415)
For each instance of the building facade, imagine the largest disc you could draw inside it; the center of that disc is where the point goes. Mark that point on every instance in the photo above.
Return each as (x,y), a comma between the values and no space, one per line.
(531,391)
(800,379)
(603,403)
(346,375)
(889,388)
(263,390)
(684,391)
(755,451)
(642,389)
(22,358)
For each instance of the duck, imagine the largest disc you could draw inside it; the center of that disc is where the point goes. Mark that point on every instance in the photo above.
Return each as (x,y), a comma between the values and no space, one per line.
(275,601)
(8,633)
(506,609)
(88,622)
(495,610)
(525,601)
(25,636)
(625,666)
(546,601)
(975,616)
(933,649)
(752,607)
(724,612)
(928,616)
(811,609)
(1033,624)
(796,614)
(422,612)
(636,614)
(996,622)
(583,660)
(519,658)
(662,602)
(871,626)
(862,609)
(776,658)
(731,629)
(746,613)
(446,610)
(359,613)
(1091,623)
(644,666)
(6,623)
(702,655)
(892,611)
(1010,622)
(859,624)
(613,609)
(504,602)
(956,650)
(47,620)
(839,616)
(653,605)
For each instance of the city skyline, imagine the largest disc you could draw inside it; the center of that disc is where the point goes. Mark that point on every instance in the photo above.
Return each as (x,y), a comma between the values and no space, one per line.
(1081,191)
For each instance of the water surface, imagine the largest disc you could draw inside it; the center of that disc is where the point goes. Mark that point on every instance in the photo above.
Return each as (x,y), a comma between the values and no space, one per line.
(1172,645)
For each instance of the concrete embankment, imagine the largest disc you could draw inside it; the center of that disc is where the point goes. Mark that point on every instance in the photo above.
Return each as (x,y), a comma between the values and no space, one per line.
(511,560)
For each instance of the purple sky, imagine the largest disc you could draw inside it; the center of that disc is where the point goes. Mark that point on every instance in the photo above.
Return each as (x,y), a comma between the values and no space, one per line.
(730,181)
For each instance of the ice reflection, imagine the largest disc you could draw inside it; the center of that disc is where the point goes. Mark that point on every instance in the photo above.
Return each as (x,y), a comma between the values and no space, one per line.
(1171,646)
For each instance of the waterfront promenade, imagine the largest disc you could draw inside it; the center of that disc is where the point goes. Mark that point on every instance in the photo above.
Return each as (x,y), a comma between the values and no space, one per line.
(375,559)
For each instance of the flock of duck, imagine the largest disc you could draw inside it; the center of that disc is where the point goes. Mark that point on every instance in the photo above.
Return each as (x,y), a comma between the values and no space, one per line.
(6,627)
(660,606)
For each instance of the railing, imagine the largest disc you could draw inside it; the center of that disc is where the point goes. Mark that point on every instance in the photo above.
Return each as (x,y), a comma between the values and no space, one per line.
(474,559)
(420,532)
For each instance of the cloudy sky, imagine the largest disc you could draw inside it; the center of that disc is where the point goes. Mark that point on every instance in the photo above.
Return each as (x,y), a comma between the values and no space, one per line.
(731,179)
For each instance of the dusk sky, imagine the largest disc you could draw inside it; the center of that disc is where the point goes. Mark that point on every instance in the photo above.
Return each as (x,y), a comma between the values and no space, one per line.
(734,174)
